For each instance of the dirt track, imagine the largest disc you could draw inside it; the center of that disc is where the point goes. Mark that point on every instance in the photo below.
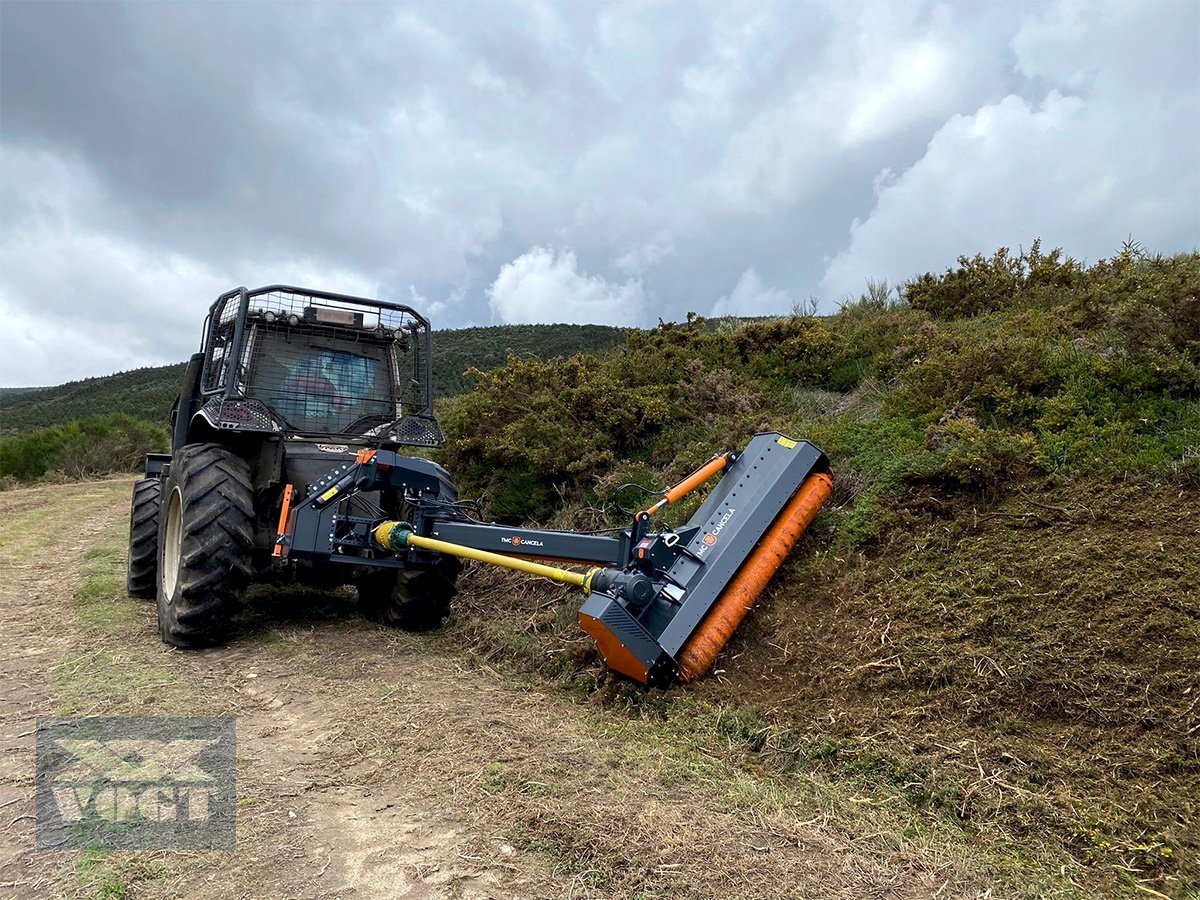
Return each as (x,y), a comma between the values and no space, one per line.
(378,764)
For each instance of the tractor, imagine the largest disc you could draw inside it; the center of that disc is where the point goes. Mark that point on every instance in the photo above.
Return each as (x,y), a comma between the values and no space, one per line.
(288,462)
(287,384)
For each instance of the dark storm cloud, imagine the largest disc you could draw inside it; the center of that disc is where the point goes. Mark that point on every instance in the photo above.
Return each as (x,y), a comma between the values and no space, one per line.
(517,162)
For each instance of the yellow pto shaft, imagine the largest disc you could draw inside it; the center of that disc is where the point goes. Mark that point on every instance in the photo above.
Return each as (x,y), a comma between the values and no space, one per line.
(397,535)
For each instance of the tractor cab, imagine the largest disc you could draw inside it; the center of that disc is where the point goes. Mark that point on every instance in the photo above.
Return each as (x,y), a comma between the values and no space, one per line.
(289,384)
(302,363)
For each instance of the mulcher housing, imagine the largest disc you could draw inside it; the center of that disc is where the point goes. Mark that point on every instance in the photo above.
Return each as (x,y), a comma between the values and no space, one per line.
(286,462)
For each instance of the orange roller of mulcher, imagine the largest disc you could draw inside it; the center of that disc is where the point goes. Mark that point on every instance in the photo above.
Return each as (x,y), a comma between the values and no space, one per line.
(720,623)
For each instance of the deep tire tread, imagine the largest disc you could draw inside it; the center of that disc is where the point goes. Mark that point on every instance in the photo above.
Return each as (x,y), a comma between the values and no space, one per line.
(217,544)
(141,576)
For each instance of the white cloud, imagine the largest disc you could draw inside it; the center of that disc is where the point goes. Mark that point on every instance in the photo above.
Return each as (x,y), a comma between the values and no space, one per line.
(1117,48)
(431,309)
(81,299)
(546,286)
(77,301)
(1103,155)
(750,297)
(883,71)
(672,148)
(42,348)
(645,256)
(1014,171)
(743,41)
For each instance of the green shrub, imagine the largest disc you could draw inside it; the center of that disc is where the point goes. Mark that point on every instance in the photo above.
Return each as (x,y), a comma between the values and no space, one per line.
(100,445)
(878,297)
(1003,369)
(796,350)
(986,284)
(530,425)
(983,457)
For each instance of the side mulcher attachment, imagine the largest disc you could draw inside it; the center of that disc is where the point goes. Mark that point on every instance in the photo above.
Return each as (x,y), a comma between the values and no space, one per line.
(659,606)
(723,559)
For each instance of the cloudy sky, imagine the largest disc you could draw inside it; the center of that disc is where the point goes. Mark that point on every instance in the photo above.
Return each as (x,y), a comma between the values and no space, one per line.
(498,162)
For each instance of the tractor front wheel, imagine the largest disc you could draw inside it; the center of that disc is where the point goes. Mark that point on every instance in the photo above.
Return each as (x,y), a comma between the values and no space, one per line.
(141,577)
(206,538)
(411,599)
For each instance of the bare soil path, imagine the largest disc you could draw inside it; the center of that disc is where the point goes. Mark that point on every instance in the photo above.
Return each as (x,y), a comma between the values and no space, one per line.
(373,763)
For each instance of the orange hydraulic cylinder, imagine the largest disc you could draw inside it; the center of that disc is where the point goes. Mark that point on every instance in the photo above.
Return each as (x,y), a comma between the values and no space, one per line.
(723,619)
(283,519)
(693,481)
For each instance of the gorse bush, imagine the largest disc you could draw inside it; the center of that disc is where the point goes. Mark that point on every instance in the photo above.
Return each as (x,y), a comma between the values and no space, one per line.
(100,445)
(1002,369)
(532,424)
(982,284)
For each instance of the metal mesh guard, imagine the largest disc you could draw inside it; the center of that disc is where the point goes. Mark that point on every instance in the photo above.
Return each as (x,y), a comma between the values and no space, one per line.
(245,415)
(417,431)
(322,364)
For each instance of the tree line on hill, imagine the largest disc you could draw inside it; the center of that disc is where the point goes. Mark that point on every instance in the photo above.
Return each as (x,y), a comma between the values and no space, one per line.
(43,429)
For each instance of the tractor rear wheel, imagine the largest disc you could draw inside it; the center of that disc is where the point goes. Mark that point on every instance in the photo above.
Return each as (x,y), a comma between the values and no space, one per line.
(206,538)
(412,599)
(141,577)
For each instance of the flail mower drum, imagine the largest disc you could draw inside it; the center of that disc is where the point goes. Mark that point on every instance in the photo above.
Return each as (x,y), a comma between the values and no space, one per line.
(660,605)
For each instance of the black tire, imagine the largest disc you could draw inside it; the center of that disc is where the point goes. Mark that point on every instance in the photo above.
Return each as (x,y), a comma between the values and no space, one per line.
(412,599)
(141,577)
(206,541)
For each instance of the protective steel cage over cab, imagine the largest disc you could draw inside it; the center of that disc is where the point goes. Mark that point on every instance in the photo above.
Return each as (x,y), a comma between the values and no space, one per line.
(303,362)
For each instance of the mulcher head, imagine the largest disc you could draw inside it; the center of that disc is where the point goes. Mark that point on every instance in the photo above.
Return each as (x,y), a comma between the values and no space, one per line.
(679,602)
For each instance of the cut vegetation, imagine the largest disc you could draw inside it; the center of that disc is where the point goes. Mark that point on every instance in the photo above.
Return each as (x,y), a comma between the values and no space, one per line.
(980,667)
(998,626)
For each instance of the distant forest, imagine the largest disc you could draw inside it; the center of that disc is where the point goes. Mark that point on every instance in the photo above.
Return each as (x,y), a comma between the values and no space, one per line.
(148,393)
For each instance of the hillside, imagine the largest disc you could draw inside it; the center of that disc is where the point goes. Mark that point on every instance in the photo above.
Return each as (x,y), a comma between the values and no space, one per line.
(148,393)
(993,632)
(145,394)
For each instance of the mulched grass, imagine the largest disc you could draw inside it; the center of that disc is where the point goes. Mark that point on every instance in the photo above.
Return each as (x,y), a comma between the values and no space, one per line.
(1023,669)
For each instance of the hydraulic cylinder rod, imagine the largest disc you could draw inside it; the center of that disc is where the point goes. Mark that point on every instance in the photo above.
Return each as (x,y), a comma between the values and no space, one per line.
(717,464)
(396,536)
